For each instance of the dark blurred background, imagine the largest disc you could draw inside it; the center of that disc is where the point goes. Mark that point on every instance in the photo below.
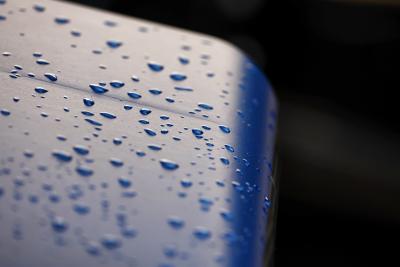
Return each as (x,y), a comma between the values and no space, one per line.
(336,68)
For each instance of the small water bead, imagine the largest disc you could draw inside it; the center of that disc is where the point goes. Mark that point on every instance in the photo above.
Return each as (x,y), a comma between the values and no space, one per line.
(135,78)
(93,248)
(143,121)
(175,222)
(197,132)
(169,164)
(145,111)
(183,89)
(114,43)
(186,183)
(5,112)
(134,95)
(98,89)
(150,132)
(178,77)
(40,90)
(117,84)
(2,17)
(39,8)
(81,150)
(128,231)
(61,20)
(87,113)
(201,233)
(154,147)
(88,102)
(110,23)
(2,191)
(28,153)
(84,171)
(59,224)
(169,100)
(205,106)
(226,215)
(51,76)
(128,107)
(110,241)
(229,148)
(62,155)
(124,182)
(183,60)
(116,162)
(224,129)
(164,131)
(155,91)
(18,67)
(93,122)
(81,208)
(108,115)
(170,251)
(224,161)
(61,137)
(31,75)
(154,66)
(37,54)
(117,141)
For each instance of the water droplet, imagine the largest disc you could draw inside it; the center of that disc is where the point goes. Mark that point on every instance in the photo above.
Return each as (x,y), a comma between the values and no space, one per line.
(40,90)
(84,171)
(93,248)
(108,115)
(134,95)
(135,78)
(117,141)
(39,8)
(170,251)
(61,20)
(168,164)
(224,129)
(37,54)
(184,89)
(229,148)
(197,132)
(145,111)
(205,106)
(124,182)
(81,208)
(62,155)
(111,242)
(155,91)
(87,113)
(186,183)
(150,132)
(98,89)
(117,84)
(81,150)
(116,162)
(76,33)
(51,76)
(155,66)
(59,224)
(5,112)
(154,147)
(114,43)
(177,76)
(143,121)
(88,102)
(226,215)
(183,60)
(201,233)
(175,222)
(128,107)
(110,23)
(224,161)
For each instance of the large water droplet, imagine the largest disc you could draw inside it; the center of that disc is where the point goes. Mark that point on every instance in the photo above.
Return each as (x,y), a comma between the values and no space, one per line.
(124,182)
(155,91)
(168,164)
(98,89)
(88,102)
(145,111)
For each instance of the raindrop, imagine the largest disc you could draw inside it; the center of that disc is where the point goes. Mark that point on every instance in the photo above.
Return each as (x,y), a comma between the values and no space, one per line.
(114,43)
(61,20)
(155,66)
(62,155)
(84,171)
(116,162)
(224,129)
(42,61)
(81,150)
(117,84)
(39,8)
(184,89)
(201,233)
(124,182)
(168,164)
(98,89)
(175,222)
(108,115)
(51,76)
(177,76)
(186,183)
(134,95)
(59,224)
(155,91)
(205,106)
(81,208)
(88,102)
(111,242)
(145,111)
(150,132)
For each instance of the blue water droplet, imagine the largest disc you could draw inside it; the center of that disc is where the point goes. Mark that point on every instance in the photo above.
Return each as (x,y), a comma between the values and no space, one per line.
(117,141)
(81,208)
(59,224)
(186,183)
(150,132)
(177,76)
(37,54)
(108,115)
(134,95)
(116,162)
(155,66)
(145,111)
(175,222)
(197,132)
(205,106)
(111,242)
(114,43)
(51,76)
(164,117)
(110,23)
(124,182)
(226,215)
(84,171)
(229,148)
(87,113)
(62,155)
(98,89)
(168,164)
(40,90)
(88,102)
(39,8)
(224,129)
(76,33)
(93,248)
(117,84)
(81,150)
(224,161)
(170,251)
(183,60)
(154,147)
(155,91)
(5,112)
(42,61)
(201,233)
(128,107)
(93,122)
(184,89)
(128,231)
(135,78)
(61,20)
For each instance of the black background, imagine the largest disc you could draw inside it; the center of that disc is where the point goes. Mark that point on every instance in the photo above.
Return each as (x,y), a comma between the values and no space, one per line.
(335,67)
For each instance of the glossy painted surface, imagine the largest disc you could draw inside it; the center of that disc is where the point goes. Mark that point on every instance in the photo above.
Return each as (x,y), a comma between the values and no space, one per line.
(129,143)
